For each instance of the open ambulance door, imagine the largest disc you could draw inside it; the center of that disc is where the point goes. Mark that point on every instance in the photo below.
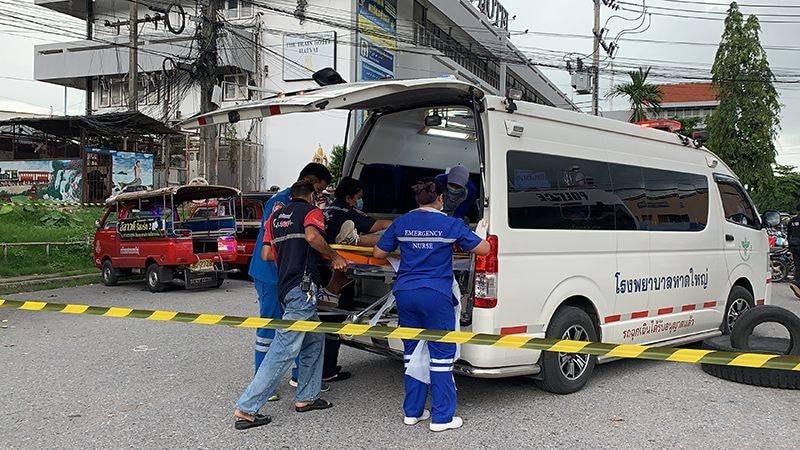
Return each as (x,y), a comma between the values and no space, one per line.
(385,96)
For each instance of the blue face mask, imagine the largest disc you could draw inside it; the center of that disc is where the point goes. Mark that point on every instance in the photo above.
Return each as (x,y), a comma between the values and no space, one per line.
(360,204)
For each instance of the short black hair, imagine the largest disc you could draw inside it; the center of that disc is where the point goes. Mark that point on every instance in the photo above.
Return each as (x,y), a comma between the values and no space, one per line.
(301,189)
(348,187)
(316,170)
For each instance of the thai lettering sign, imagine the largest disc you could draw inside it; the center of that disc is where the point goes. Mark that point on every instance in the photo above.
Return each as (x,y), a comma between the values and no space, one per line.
(686,280)
(377,39)
(145,227)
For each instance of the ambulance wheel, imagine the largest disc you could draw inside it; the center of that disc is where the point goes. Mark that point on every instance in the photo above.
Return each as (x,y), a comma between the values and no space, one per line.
(565,373)
(109,274)
(740,300)
(154,278)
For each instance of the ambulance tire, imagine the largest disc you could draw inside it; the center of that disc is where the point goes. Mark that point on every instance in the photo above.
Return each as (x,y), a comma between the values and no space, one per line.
(558,371)
(154,278)
(772,378)
(740,300)
(109,274)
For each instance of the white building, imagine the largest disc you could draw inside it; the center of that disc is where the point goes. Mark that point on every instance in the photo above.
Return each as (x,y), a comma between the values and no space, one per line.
(268,46)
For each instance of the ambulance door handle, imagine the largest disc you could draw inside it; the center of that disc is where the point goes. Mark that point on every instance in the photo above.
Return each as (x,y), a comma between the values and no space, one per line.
(729,238)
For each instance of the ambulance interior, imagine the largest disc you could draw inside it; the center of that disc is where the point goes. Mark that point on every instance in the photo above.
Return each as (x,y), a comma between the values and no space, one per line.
(391,153)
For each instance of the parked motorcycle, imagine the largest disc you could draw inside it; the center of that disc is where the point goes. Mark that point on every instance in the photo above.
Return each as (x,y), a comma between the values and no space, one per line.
(782,263)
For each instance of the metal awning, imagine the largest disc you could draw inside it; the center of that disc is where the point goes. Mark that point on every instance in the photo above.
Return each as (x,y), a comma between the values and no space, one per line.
(128,124)
(179,193)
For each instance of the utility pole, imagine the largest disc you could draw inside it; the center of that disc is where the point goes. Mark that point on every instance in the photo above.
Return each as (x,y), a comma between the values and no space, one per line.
(133,61)
(207,73)
(89,27)
(596,60)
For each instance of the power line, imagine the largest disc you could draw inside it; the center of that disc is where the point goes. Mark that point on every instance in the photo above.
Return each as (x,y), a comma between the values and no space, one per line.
(751,5)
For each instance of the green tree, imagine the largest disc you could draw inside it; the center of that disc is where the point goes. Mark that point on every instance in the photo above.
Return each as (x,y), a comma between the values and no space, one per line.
(743,127)
(644,97)
(784,195)
(337,162)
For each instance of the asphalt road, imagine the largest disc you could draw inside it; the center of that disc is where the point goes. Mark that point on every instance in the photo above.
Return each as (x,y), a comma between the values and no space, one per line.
(83,381)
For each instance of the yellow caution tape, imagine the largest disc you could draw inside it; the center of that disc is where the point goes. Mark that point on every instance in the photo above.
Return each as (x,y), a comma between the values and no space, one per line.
(684,355)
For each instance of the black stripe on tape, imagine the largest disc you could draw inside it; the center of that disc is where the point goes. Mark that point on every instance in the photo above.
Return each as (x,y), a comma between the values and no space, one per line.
(231,320)
(185,317)
(658,353)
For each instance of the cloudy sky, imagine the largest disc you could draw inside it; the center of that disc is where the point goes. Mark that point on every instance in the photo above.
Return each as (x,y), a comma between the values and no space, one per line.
(576,17)
(541,18)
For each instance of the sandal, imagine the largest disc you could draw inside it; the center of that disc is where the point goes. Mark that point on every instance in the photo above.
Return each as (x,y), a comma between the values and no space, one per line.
(316,404)
(244,424)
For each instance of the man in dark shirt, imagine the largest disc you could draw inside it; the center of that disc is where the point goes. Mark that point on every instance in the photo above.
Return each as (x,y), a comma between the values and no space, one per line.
(295,238)
(346,222)
(793,236)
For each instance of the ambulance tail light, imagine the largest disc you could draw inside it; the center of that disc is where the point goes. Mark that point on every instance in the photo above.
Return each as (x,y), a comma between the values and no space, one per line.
(486,277)
(226,244)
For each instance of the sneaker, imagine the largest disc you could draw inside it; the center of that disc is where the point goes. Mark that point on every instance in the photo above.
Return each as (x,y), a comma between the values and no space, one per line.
(338,376)
(274,398)
(326,298)
(415,420)
(795,289)
(324,388)
(348,235)
(452,425)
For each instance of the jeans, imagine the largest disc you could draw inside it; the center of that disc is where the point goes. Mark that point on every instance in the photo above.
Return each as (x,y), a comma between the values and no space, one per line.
(269,307)
(286,346)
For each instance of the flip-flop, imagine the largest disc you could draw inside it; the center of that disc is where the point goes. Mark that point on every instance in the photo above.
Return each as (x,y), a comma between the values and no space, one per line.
(244,424)
(316,404)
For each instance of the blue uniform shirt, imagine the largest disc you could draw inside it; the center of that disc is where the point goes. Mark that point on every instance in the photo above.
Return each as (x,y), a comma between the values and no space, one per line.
(426,239)
(267,271)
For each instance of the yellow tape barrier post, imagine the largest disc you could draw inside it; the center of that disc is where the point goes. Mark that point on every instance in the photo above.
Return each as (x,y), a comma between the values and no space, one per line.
(684,355)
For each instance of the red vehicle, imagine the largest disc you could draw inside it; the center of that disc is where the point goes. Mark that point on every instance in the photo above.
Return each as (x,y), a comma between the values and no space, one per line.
(249,213)
(182,235)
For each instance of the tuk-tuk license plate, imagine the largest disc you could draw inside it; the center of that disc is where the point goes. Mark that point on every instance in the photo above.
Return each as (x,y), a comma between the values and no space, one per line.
(204,265)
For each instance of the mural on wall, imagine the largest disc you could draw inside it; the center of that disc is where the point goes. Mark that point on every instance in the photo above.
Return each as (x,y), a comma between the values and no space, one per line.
(54,180)
(129,169)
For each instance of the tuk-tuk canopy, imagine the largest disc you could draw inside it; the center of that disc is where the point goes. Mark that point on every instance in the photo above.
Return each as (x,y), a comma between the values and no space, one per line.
(179,194)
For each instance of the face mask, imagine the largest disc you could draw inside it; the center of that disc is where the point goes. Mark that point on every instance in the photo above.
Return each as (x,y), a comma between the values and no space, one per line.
(454,197)
(360,204)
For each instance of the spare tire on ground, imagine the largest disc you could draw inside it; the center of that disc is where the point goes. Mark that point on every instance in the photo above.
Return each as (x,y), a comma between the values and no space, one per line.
(742,336)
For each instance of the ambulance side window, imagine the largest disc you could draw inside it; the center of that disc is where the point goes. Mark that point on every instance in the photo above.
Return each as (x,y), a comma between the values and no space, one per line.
(736,205)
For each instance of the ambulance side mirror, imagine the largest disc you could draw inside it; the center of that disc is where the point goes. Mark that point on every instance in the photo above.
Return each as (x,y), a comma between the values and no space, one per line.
(771,219)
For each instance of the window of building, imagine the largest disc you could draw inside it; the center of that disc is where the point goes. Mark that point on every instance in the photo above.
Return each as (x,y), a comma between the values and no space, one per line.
(149,89)
(556,192)
(235,87)
(528,93)
(736,204)
(236,9)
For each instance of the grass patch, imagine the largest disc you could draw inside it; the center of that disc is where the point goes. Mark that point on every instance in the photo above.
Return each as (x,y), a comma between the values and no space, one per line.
(35,223)
(54,284)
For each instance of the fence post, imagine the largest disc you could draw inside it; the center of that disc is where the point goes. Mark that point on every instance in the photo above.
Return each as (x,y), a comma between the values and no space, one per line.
(47,249)
(5,251)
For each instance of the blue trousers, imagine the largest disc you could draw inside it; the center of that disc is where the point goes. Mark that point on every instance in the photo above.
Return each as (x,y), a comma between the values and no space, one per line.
(287,346)
(269,307)
(427,308)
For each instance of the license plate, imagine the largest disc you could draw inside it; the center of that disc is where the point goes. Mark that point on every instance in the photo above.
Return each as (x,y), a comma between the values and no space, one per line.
(204,265)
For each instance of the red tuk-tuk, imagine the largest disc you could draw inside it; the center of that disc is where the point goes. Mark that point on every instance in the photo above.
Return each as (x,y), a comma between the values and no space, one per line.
(249,213)
(182,235)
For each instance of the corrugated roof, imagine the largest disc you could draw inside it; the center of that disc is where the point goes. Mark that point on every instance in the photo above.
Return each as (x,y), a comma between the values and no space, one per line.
(688,92)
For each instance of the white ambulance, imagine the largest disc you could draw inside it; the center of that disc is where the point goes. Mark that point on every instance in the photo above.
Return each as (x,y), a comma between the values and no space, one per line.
(600,230)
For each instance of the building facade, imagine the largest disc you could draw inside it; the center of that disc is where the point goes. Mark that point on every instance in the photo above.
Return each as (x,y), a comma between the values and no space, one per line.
(265,47)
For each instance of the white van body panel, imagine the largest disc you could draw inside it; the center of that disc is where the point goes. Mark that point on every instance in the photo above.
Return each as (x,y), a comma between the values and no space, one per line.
(541,269)
(688,274)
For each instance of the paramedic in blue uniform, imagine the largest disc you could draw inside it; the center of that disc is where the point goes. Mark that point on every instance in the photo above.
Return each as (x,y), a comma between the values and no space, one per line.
(265,273)
(424,293)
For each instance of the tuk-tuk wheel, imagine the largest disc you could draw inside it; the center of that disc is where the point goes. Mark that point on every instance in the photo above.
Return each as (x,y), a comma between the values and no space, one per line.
(109,274)
(154,281)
